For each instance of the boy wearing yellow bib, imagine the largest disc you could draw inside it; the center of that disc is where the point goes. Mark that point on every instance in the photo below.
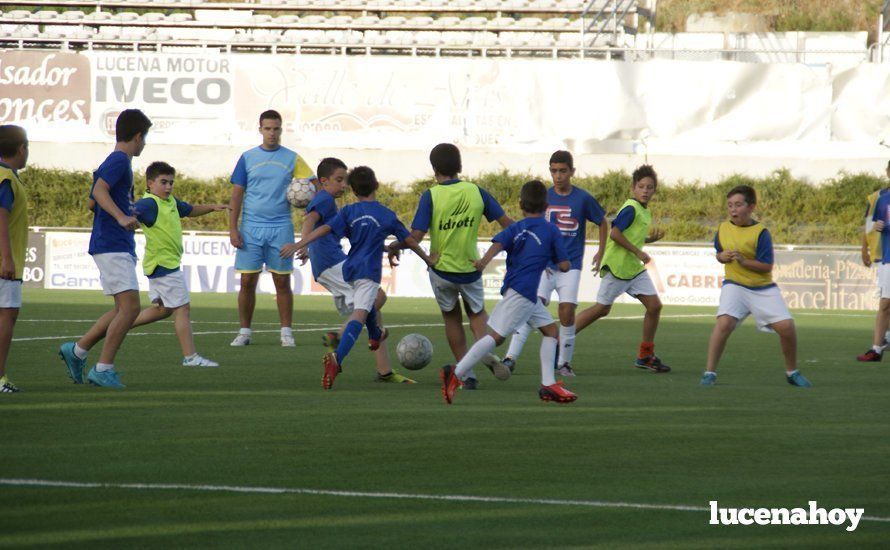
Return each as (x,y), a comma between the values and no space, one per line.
(624,267)
(745,248)
(872,254)
(13,238)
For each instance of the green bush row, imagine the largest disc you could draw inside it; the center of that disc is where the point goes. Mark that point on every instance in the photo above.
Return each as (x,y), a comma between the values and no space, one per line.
(795,211)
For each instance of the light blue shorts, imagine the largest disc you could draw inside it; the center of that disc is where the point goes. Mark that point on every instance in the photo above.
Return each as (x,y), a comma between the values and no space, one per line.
(262,245)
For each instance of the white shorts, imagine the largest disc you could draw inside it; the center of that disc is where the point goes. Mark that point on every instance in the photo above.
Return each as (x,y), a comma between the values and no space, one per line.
(612,287)
(564,283)
(514,311)
(117,272)
(767,305)
(10,294)
(364,293)
(447,293)
(342,292)
(169,290)
(884,280)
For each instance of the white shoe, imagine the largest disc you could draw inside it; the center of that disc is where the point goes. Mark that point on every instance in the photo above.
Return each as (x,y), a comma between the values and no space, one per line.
(288,342)
(497,368)
(198,361)
(241,340)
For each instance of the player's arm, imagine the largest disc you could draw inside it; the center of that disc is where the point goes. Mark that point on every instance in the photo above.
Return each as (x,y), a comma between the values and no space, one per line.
(655,236)
(866,253)
(317,233)
(202,209)
(235,204)
(619,238)
(763,260)
(505,220)
(492,251)
(7,266)
(102,195)
(601,248)
(750,263)
(413,244)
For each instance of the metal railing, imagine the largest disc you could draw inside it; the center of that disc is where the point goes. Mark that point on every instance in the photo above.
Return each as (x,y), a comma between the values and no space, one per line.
(883,35)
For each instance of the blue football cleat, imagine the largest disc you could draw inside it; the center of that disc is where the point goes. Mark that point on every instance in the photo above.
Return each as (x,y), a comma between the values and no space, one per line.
(74,363)
(708,379)
(107,379)
(797,379)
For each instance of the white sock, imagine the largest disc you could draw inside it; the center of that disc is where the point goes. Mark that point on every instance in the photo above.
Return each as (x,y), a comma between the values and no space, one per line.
(102,367)
(566,344)
(190,357)
(245,331)
(878,349)
(480,349)
(469,374)
(287,331)
(518,340)
(80,352)
(548,353)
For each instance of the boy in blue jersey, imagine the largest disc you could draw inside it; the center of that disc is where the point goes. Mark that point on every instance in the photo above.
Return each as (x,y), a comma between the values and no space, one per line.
(624,267)
(259,198)
(327,259)
(881,224)
(745,248)
(366,224)
(531,245)
(569,208)
(113,247)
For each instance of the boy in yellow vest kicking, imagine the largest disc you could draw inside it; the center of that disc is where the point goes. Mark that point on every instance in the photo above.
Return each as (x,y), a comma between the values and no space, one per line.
(745,248)
(13,238)
(159,212)
(624,267)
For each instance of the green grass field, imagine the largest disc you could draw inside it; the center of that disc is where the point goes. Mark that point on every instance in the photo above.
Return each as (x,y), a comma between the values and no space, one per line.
(262,420)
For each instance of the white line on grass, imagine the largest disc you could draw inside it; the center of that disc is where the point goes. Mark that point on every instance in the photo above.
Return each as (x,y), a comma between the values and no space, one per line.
(359,494)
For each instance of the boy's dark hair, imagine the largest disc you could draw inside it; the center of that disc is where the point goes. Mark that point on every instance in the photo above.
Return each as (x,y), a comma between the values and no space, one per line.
(362,181)
(533,197)
(271,114)
(158,168)
(130,123)
(328,166)
(645,171)
(563,157)
(12,137)
(746,191)
(445,159)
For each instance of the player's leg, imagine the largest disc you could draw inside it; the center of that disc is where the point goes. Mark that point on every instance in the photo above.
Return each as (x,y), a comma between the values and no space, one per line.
(550,390)
(8,316)
(611,288)
(447,294)
(519,337)
(249,265)
(716,345)
(152,314)
(788,342)
(771,313)
(646,358)
(473,297)
(385,372)
(117,274)
(282,270)
(364,296)
(342,294)
(882,317)
(567,290)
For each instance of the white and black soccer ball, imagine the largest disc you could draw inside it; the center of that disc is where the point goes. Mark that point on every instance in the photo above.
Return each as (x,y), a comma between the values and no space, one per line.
(414,351)
(300,192)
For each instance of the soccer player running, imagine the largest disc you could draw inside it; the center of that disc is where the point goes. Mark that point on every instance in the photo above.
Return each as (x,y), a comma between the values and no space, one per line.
(113,248)
(259,199)
(327,259)
(872,254)
(367,224)
(450,212)
(569,208)
(13,238)
(531,245)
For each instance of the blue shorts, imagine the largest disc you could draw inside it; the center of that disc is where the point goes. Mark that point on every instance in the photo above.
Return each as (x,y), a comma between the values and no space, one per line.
(262,245)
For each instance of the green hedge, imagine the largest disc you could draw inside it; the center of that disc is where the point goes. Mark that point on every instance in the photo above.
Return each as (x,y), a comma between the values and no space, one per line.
(795,211)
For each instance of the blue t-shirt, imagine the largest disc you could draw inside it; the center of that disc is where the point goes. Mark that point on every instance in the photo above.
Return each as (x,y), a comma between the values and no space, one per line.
(624,218)
(367,225)
(570,213)
(7,196)
(325,252)
(491,209)
(108,235)
(147,210)
(882,214)
(265,176)
(531,244)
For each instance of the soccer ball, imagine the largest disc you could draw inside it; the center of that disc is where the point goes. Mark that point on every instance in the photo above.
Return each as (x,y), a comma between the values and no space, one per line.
(300,192)
(414,351)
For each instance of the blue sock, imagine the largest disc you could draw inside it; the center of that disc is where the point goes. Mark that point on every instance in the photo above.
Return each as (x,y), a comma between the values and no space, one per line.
(350,335)
(374,332)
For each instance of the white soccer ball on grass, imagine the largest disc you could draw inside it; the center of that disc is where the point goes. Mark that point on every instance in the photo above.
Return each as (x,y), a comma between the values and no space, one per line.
(414,351)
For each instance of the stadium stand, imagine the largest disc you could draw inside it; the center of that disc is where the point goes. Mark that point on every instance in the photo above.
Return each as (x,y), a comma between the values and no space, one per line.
(554,28)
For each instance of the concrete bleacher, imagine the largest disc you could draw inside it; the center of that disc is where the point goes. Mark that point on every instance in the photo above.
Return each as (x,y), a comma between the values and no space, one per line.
(557,28)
